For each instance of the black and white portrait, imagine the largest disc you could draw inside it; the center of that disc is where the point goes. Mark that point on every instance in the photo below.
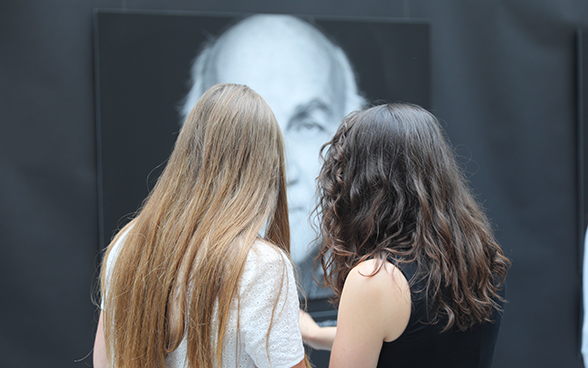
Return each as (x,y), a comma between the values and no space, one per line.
(152,68)
(309,84)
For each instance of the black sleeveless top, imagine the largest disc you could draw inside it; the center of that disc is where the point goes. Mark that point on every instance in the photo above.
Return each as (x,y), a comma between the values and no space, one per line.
(422,344)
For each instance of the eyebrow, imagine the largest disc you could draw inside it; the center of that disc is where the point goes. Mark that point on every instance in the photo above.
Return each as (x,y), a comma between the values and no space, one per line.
(304,110)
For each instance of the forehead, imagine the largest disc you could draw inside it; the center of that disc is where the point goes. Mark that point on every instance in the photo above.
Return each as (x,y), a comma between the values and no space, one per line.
(288,65)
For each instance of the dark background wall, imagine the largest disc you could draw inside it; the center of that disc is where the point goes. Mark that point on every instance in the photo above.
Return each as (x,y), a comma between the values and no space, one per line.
(503,82)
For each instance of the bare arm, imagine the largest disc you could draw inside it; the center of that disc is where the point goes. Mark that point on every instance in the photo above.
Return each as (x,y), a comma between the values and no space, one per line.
(99,356)
(372,310)
(319,338)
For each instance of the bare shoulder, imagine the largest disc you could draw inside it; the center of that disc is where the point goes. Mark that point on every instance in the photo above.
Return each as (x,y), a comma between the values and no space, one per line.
(367,274)
(381,289)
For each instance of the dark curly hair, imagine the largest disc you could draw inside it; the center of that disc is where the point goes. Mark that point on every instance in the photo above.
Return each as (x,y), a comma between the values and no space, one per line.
(390,188)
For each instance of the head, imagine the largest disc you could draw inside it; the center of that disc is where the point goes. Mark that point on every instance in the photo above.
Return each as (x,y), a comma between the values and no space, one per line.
(231,149)
(187,247)
(384,169)
(390,187)
(305,78)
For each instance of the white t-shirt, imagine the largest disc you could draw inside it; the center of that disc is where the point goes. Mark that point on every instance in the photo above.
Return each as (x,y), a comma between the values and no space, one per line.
(260,288)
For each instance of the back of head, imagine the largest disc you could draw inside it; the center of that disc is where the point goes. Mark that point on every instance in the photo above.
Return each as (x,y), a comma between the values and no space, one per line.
(392,167)
(232,142)
(229,158)
(390,187)
(224,180)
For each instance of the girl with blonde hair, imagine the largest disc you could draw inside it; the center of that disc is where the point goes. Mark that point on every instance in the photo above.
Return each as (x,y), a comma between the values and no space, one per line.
(190,282)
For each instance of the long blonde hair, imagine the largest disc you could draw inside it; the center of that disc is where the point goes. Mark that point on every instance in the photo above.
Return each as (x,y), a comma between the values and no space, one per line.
(185,251)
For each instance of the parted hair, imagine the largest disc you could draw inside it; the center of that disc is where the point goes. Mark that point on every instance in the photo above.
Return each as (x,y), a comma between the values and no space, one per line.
(390,188)
(185,251)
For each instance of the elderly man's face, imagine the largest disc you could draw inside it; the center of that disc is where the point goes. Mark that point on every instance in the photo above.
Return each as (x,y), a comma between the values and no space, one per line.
(293,74)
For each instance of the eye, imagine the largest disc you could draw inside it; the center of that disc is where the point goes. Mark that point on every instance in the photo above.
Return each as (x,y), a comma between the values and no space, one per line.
(307,125)
(310,122)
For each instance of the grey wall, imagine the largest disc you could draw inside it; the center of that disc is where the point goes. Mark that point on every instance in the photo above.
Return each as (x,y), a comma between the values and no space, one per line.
(503,83)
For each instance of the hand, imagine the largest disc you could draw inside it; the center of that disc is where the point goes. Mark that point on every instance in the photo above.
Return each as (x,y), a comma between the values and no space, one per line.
(315,336)
(308,327)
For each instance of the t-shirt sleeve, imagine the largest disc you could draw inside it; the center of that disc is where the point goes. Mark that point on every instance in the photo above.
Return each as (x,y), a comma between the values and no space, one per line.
(269,301)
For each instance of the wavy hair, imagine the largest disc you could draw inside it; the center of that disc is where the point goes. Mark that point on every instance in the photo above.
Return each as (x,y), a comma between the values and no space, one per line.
(390,188)
(185,251)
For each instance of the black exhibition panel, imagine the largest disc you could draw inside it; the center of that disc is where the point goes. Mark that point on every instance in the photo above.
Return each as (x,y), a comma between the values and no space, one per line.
(506,79)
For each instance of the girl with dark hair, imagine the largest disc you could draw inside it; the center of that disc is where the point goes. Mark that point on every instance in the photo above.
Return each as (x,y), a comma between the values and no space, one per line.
(406,248)
(191,282)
